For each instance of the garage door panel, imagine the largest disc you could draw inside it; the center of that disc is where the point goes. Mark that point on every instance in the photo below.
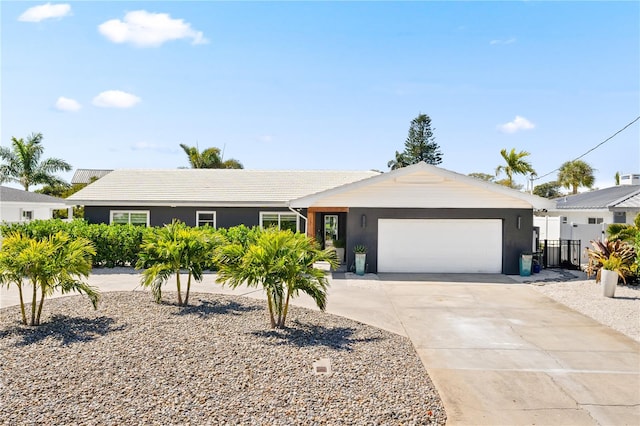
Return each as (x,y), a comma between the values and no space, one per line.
(440,245)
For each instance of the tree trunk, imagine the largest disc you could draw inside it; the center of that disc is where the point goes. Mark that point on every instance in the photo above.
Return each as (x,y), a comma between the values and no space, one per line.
(24,315)
(270,305)
(186,297)
(40,307)
(285,309)
(178,284)
(33,303)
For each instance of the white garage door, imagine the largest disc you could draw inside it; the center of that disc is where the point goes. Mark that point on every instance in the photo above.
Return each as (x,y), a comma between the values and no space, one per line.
(440,245)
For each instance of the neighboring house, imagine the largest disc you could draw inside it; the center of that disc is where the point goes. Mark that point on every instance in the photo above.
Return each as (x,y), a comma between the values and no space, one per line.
(419,218)
(586,216)
(86,176)
(17,205)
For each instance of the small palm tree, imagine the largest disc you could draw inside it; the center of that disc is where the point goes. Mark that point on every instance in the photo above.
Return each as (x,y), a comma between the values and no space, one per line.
(23,164)
(56,262)
(516,165)
(171,249)
(283,264)
(209,158)
(574,174)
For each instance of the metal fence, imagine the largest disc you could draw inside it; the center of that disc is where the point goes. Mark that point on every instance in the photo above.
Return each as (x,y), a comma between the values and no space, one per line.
(560,254)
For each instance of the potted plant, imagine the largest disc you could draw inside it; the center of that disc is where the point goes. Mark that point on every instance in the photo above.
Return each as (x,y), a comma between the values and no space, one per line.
(612,268)
(361,258)
(339,244)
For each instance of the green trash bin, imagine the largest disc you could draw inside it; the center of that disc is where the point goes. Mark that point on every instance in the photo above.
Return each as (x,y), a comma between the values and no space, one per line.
(526,260)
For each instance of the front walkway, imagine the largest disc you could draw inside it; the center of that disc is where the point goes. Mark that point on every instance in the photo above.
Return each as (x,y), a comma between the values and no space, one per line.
(499,353)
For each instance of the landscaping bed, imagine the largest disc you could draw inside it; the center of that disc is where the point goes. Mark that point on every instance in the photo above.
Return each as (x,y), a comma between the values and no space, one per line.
(133,361)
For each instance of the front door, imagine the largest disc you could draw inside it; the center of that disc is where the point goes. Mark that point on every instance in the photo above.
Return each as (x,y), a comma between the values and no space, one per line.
(330,229)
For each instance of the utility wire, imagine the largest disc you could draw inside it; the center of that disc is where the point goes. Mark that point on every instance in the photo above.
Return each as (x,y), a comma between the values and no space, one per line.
(592,149)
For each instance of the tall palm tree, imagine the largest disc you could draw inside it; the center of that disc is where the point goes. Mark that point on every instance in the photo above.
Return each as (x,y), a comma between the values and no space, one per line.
(209,158)
(23,164)
(516,165)
(282,263)
(574,174)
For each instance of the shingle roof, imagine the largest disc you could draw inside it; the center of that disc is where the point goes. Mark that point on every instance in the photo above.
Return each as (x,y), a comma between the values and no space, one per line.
(17,195)
(86,175)
(235,187)
(601,198)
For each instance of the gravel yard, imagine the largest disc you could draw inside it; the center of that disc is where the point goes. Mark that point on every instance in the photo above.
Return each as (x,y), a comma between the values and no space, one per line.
(622,313)
(216,362)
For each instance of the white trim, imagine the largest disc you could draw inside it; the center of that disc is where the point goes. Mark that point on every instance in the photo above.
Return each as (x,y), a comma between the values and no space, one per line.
(202,204)
(112,212)
(199,212)
(280,213)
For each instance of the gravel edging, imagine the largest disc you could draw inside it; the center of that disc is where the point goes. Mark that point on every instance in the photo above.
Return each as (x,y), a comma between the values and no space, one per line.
(216,362)
(622,312)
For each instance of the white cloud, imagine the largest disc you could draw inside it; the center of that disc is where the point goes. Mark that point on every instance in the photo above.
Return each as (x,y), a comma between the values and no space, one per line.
(145,29)
(265,138)
(67,104)
(518,123)
(115,99)
(45,11)
(508,41)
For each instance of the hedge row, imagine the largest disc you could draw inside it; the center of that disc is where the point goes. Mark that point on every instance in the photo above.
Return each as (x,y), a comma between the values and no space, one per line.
(116,245)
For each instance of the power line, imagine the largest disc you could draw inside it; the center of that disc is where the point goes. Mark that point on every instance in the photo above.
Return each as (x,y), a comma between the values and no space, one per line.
(594,148)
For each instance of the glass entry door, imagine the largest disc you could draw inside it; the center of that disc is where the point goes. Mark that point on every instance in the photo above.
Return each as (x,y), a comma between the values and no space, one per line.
(330,229)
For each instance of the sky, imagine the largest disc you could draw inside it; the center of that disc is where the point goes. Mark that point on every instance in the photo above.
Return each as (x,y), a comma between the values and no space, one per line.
(323,85)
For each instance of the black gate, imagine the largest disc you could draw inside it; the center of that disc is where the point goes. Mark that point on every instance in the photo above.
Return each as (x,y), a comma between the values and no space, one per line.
(563,254)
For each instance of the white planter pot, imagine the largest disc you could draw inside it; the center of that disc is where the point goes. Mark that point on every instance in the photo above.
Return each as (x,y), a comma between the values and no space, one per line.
(340,254)
(609,282)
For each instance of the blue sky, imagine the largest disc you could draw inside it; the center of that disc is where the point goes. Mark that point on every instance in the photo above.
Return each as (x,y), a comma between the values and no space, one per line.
(323,85)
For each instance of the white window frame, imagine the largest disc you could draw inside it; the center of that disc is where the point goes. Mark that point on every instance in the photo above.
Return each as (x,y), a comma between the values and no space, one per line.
(113,212)
(595,220)
(199,212)
(27,215)
(280,214)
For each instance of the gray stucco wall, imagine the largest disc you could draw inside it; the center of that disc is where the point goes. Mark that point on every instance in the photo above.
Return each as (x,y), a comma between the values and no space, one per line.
(226,217)
(515,241)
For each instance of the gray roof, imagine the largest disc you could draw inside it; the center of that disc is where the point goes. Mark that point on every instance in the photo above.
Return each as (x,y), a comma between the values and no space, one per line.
(87,175)
(213,187)
(616,196)
(18,195)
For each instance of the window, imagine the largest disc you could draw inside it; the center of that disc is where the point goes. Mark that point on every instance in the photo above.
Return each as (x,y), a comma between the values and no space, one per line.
(27,214)
(135,217)
(280,220)
(206,219)
(563,219)
(595,220)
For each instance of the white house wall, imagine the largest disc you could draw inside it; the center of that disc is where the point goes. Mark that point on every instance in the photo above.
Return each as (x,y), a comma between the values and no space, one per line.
(12,211)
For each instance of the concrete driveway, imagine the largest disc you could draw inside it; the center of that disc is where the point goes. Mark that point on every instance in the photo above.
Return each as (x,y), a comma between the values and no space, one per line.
(499,352)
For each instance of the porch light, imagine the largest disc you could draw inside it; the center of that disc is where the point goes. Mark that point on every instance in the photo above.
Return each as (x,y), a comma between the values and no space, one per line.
(363,221)
(519,224)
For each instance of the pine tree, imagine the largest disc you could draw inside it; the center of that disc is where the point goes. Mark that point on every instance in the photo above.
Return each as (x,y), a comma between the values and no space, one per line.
(419,146)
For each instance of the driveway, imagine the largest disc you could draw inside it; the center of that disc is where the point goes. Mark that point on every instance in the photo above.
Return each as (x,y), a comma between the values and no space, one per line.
(499,352)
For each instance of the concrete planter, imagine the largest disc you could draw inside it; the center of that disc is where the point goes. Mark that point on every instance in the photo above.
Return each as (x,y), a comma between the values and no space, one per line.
(361,259)
(609,282)
(340,254)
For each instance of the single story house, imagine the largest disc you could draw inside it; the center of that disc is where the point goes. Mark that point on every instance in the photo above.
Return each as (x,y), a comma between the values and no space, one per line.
(420,218)
(17,205)
(586,216)
(216,197)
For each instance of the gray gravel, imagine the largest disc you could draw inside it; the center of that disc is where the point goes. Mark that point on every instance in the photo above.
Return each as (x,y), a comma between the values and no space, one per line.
(136,362)
(622,313)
